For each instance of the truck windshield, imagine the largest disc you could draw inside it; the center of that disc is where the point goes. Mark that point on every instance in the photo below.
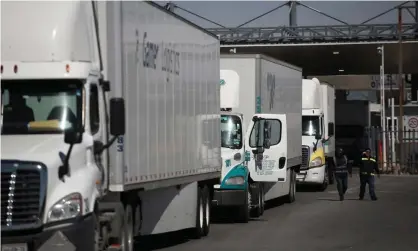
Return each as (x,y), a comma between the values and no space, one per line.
(231,132)
(311,125)
(40,106)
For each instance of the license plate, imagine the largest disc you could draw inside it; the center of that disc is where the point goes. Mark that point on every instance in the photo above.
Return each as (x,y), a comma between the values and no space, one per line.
(15,247)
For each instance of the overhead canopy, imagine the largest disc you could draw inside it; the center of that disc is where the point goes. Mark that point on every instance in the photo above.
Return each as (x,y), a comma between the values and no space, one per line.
(329,59)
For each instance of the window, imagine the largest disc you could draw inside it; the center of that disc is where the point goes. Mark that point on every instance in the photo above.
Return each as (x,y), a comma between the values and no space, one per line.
(41,106)
(231,132)
(266,129)
(94,110)
(311,125)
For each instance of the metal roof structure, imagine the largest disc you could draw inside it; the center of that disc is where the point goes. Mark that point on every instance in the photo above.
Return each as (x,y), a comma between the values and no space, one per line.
(327,50)
(331,50)
(316,34)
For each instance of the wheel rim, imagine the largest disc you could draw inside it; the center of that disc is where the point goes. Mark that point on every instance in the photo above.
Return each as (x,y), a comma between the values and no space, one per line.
(207,212)
(201,215)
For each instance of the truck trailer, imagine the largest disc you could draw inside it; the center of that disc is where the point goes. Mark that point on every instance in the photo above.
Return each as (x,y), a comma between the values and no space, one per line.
(318,118)
(264,95)
(110,124)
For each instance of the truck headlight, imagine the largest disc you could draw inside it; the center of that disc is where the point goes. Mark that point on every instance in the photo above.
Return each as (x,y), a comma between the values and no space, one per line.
(316,162)
(237,180)
(68,207)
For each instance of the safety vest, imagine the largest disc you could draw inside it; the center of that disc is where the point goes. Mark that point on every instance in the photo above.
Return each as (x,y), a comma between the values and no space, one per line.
(341,164)
(368,166)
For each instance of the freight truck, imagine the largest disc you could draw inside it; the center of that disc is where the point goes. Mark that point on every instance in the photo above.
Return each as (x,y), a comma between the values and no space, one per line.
(318,149)
(110,124)
(263,98)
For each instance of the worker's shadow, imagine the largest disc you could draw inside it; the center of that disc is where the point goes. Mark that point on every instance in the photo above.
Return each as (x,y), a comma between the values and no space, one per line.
(335,199)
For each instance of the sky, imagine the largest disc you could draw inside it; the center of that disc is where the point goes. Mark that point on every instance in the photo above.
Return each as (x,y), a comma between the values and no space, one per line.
(234,13)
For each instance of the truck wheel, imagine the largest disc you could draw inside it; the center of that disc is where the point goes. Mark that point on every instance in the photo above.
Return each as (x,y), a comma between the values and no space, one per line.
(256,208)
(127,238)
(198,230)
(98,239)
(207,203)
(330,174)
(291,196)
(262,199)
(244,210)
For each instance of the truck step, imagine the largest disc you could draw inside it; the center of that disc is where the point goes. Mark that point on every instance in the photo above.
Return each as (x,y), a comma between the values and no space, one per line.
(106,217)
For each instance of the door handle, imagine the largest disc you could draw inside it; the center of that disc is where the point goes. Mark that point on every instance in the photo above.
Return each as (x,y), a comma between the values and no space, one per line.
(282,162)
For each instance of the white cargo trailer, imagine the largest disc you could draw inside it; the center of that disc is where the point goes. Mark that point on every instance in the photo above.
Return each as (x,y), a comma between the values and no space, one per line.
(268,96)
(78,76)
(318,122)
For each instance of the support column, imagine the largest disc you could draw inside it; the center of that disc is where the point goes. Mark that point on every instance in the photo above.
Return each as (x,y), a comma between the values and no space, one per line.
(416,11)
(292,14)
(414,87)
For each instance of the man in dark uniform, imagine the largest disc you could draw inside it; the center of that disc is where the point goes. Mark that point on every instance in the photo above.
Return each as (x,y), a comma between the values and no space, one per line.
(342,169)
(368,168)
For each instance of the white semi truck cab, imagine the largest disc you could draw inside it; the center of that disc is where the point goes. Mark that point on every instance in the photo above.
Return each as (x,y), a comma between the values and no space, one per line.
(261,99)
(75,175)
(54,125)
(233,188)
(318,143)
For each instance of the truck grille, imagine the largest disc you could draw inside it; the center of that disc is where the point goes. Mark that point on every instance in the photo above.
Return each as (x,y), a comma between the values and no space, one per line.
(23,190)
(305,157)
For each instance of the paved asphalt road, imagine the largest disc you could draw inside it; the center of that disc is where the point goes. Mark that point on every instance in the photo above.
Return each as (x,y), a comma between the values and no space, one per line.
(318,221)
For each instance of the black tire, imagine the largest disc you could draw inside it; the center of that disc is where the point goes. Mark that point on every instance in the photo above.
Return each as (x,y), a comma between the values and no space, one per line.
(325,182)
(98,240)
(330,164)
(127,238)
(291,196)
(256,200)
(262,199)
(243,210)
(198,232)
(207,210)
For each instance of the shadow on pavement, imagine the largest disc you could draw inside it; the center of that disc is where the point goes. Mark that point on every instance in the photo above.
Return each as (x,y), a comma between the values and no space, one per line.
(308,189)
(229,215)
(336,199)
(160,241)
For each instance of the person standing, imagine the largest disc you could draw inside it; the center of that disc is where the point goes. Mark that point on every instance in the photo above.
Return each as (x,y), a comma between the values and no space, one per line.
(342,170)
(368,168)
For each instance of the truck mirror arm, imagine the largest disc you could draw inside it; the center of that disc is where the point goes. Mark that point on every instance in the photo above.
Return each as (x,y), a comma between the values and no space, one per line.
(102,147)
(64,169)
(315,145)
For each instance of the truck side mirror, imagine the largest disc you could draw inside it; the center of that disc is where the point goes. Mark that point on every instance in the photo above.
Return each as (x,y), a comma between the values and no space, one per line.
(117,116)
(73,136)
(330,129)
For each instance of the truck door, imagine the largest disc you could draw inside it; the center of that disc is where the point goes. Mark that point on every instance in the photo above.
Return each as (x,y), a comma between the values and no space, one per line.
(98,128)
(266,147)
